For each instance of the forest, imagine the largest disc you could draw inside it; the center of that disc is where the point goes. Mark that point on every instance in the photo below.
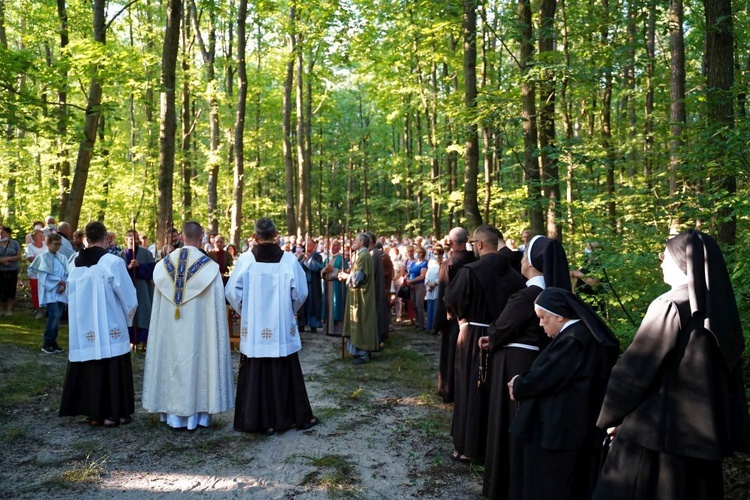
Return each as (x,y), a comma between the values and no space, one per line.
(615,122)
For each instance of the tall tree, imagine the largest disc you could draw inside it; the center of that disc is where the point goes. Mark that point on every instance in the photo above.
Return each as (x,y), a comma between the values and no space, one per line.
(471,206)
(208,53)
(239,125)
(63,165)
(168,119)
(72,210)
(677,112)
(528,113)
(286,120)
(547,143)
(719,61)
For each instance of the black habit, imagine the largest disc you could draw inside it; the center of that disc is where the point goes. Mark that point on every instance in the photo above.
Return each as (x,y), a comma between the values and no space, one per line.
(448,328)
(556,444)
(678,408)
(478,294)
(271,392)
(517,324)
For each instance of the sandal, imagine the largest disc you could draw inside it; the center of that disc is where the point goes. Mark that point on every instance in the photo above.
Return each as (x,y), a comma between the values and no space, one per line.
(270,431)
(309,425)
(92,422)
(126,420)
(110,423)
(457,457)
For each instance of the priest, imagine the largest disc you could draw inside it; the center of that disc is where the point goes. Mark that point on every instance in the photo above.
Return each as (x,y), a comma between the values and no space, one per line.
(188,373)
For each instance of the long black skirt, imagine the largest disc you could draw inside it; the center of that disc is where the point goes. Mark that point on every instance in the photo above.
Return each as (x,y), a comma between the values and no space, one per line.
(633,472)
(506,363)
(540,474)
(99,389)
(447,367)
(271,394)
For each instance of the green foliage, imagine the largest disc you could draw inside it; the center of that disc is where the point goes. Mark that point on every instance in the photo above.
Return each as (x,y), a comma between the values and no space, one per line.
(381,74)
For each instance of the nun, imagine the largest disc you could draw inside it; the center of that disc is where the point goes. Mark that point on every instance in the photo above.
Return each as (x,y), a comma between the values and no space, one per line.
(513,342)
(556,444)
(675,403)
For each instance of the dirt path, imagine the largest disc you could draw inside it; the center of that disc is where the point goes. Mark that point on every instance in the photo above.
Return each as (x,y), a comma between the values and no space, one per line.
(379,438)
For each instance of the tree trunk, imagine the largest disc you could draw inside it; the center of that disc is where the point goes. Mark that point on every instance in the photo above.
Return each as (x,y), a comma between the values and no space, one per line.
(239,126)
(167,118)
(208,53)
(677,113)
(719,61)
(547,140)
(63,163)
(471,206)
(186,165)
(607,124)
(528,113)
(291,218)
(72,209)
(303,169)
(648,146)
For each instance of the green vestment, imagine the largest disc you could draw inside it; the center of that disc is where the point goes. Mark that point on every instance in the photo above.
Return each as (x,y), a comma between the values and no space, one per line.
(360,315)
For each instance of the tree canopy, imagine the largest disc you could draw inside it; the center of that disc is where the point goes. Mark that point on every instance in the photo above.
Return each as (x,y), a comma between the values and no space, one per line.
(609,121)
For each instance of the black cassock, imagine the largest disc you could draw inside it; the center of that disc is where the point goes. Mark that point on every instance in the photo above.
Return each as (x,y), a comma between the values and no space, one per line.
(448,328)
(556,444)
(519,325)
(478,294)
(679,409)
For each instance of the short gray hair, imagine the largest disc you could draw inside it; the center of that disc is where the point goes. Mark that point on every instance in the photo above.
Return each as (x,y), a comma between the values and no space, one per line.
(265,229)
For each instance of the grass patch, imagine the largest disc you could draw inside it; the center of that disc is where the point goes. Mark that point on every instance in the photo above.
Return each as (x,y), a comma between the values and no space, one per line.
(28,375)
(328,413)
(87,471)
(10,435)
(334,473)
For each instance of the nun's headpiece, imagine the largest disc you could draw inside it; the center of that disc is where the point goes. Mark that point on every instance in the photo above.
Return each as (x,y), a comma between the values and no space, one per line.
(710,291)
(564,303)
(547,255)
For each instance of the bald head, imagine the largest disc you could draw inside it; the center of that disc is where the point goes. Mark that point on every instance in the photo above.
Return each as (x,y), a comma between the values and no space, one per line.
(458,237)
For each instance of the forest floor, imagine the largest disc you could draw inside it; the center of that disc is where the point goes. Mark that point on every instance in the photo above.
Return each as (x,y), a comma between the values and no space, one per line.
(384,434)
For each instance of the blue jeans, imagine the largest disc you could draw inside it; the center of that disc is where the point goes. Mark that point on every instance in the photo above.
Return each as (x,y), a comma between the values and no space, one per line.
(54,311)
(431,310)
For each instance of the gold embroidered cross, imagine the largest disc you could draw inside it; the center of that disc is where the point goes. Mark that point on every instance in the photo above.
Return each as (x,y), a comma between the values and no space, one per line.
(90,336)
(266,333)
(115,333)
(243,332)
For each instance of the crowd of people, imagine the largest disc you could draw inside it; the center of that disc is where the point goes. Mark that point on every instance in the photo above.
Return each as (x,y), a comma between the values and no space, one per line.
(529,365)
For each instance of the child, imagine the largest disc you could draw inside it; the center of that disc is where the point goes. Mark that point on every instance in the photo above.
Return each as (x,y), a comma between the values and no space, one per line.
(52,272)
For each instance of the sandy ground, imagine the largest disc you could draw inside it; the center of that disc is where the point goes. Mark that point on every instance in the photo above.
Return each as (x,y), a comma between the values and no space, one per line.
(388,442)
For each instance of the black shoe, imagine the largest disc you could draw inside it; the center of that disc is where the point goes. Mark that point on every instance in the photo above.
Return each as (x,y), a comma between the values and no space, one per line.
(57,348)
(48,349)
(313,330)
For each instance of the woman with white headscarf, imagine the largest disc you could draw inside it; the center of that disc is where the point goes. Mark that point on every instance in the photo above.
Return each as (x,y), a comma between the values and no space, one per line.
(675,401)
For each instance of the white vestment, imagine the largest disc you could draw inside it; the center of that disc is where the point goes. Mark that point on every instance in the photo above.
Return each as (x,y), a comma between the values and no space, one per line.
(266,295)
(188,367)
(102,304)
